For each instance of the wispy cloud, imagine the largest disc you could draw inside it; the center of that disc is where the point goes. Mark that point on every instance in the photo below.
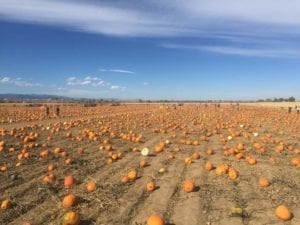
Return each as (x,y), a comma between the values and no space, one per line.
(117,71)
(160,18)
(240,22)
(18,82)
(241,51)
(86,81)
(145,83)
(117,87)
(93,82)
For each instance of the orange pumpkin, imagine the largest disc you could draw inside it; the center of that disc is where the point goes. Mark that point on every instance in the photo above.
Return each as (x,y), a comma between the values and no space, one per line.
(51,167)
(208,166)
(283,213)
(70,218)
(188,161)
(155,220)
(125,179)
(196,155)
(5,204)
(69,182)
(49,179)
(69,201)
(150,186)
(264,182)
(91,186)
(188,186)
(132,175)
(143,163)
(232,174)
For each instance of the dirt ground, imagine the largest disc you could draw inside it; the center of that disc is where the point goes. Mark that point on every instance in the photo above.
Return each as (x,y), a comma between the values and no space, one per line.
(115,203)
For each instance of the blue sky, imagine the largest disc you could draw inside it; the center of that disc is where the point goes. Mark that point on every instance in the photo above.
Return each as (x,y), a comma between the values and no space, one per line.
(169,49)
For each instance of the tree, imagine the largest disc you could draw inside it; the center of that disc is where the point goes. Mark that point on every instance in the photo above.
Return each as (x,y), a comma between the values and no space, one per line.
(291,99)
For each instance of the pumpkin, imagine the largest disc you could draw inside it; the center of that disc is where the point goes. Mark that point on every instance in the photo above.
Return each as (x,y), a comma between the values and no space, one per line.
(5,204)
(232,174)
(188,186)
(263,182)
(124,179)
(51,167)
(68,161)
(295,161)
(208,166)
(209,151)
(69,182)
(188,161)
(132,175)
(223,169)
(155,220)
(143,163)
(91,186)
(196,155)
(49,179)
(69,201)
(252,161)
(150,186)
(162,170)
(70,218)
(283,213)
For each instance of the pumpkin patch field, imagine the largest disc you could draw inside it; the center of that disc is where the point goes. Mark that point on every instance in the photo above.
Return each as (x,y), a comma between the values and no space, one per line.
(150,164)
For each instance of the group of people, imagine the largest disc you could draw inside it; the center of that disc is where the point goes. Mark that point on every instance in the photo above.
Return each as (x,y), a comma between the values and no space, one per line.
(47,111)
(297,108)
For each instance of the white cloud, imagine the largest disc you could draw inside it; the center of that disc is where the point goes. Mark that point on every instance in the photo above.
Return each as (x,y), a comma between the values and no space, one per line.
(240,22)
(145,83)
(266,51)
(86,81)
(116,71)
(117,88)
(18,82)
(93,82)
(160,18)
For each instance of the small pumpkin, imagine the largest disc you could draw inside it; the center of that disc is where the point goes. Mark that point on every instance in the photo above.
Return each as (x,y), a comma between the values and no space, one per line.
(49,179)
(188,161)
(143,163)
(125,179)
(283,213)
(252,161)
(69,182)
(91,186)
(188,186)
(132,175)
(69,201)
(51,167)
(5,204)
(264,182)
(70,218)
(208,166)
(196,155)
(155,220)
(232,174)
(209,151)
(150,186)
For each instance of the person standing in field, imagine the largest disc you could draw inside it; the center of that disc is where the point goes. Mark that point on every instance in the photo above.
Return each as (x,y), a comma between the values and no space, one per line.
(57,111)
(289,109)
(298,109)
(47,111)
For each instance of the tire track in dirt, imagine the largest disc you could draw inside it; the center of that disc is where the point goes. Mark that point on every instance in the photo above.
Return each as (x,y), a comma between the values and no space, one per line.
(154,203)
(105,175)
(132,200)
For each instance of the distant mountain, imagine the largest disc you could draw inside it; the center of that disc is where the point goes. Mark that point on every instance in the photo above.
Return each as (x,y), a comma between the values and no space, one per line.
(11,96)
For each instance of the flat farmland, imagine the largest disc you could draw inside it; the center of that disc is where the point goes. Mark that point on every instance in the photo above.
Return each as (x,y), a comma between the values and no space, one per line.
(117,151)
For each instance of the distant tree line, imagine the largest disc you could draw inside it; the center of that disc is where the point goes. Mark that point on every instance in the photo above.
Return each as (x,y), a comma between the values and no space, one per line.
(290,99)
